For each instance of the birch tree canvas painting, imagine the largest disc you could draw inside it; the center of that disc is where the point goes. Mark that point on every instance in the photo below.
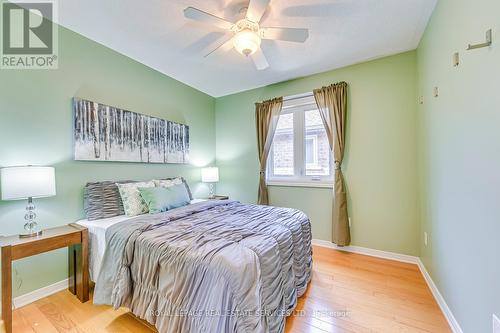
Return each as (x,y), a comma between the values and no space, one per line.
(106,133)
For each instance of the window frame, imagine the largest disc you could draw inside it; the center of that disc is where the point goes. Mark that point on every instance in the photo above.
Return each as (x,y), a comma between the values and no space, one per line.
(298,106)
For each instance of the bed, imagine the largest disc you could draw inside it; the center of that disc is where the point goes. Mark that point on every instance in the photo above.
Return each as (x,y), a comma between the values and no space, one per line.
(97,238)
(210,266)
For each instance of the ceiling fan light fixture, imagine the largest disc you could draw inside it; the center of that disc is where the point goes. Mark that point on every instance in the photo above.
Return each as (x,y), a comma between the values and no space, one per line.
(246,42)
(246,33)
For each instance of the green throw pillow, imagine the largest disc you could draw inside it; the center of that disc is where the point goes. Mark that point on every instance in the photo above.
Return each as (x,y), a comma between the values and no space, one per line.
(161,199)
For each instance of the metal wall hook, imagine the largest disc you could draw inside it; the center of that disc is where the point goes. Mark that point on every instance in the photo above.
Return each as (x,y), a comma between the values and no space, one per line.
(485,44)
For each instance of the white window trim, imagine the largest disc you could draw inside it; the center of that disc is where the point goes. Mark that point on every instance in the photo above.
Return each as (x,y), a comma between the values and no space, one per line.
(298,183)
(298,105)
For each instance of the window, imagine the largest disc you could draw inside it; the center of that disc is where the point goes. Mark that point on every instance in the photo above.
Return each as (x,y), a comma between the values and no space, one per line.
(300,154)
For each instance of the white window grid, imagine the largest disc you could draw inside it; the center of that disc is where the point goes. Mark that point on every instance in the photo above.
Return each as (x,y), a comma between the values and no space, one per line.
(299,106)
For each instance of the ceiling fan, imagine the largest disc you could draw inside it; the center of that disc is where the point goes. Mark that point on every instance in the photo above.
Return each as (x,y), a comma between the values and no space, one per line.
(247,33)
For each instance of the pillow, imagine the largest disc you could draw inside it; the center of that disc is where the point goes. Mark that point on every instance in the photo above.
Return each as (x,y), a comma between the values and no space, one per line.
(161,199)
(102,200)
(167,182)
(174,181)
(133,204)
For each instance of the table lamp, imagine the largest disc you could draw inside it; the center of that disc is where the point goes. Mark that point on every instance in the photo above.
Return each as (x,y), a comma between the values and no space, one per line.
(211,176)
(28,182)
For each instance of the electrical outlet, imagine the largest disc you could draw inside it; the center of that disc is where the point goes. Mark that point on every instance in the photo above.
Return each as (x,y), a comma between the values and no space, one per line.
(350,223)
(426,238)
(435,92)
(496,324)
(456,59)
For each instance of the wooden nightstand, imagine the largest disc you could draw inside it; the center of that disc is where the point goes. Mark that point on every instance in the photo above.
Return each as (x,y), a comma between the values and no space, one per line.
(219,197)
(13,248)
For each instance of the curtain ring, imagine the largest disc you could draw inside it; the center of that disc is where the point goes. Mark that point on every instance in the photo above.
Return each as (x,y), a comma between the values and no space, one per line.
(337,165)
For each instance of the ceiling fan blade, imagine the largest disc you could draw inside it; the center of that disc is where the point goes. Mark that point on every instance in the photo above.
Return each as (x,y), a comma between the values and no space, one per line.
(297,35)
(256,9)
(259,59)
(201,16)
(224,47)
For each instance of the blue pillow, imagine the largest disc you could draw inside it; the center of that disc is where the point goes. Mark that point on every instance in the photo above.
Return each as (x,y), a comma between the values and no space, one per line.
(179,196)
(161,199)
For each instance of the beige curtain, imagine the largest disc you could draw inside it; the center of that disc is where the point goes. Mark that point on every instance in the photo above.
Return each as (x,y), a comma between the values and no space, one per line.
(266,116)
(332,105)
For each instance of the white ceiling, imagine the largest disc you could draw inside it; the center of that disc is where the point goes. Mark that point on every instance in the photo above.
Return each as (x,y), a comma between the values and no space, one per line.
(341,33)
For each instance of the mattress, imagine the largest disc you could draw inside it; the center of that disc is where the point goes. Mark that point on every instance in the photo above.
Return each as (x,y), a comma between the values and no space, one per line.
(97,239)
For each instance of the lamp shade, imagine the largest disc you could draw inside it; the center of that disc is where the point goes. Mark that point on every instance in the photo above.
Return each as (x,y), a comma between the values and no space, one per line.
(210,175)
(30,181)
(246,42)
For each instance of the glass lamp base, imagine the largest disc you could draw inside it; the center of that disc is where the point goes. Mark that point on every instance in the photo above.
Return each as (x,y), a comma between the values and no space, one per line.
(212,191)
(31,227)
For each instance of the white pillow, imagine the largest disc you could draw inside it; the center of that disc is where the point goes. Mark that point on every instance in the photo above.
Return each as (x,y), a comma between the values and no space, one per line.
(133,203)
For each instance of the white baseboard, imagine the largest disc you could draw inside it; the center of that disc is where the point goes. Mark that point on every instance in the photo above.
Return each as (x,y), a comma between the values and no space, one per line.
(368,252)
(496,324)
(403,258)
(39,294)
(452,321)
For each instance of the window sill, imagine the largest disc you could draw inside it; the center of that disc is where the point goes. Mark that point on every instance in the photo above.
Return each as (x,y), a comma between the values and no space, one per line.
(300,184)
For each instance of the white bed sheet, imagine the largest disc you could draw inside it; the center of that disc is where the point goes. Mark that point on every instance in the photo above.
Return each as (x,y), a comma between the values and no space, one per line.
(97,239)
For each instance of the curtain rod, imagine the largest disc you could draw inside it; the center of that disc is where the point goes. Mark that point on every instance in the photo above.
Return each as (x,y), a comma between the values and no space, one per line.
(298,96)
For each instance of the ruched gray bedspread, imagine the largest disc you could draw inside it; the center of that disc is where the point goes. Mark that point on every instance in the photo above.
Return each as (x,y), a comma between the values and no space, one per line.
(214,266)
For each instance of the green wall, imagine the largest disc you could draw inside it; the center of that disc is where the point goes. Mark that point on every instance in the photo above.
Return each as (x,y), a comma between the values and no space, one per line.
(380,162)
(36,128)
(459,154)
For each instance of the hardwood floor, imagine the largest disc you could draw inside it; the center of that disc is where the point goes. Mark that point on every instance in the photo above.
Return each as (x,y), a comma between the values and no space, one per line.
(348,293)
